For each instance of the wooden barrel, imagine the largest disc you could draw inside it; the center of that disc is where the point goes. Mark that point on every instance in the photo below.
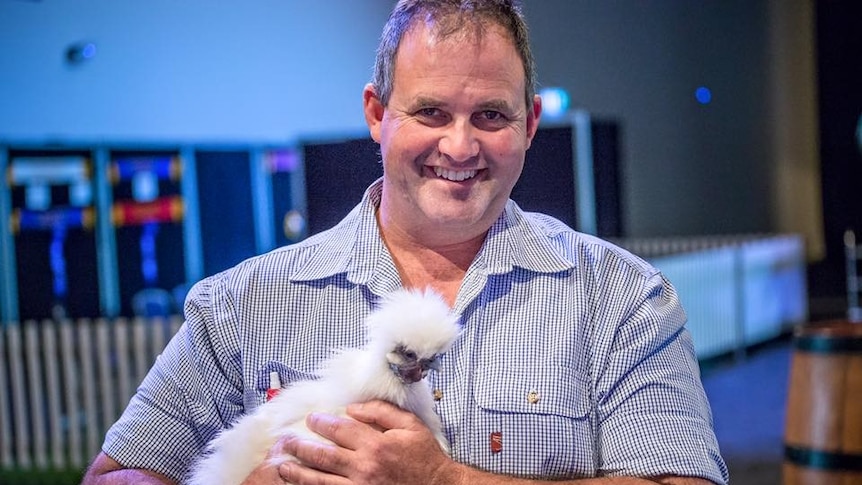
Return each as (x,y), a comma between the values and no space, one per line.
(823,431)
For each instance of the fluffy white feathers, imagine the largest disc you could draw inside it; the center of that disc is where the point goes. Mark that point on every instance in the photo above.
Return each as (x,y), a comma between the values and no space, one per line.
(406,334)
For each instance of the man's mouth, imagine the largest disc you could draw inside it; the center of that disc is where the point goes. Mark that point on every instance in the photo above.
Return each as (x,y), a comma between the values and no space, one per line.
(455,175)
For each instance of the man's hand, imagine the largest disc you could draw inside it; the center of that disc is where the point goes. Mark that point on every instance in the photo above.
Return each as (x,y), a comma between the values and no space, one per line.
(267,473)
(385,445)
(382,444)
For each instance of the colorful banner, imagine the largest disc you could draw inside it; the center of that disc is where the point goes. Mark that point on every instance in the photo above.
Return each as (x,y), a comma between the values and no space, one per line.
(48,170)
(165,209)
(65,217)
(165,168)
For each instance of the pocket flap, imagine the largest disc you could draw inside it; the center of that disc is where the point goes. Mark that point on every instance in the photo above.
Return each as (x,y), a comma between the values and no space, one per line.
(551,389)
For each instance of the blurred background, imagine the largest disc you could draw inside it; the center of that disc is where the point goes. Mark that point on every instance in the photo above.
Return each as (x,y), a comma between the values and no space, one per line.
(147,145)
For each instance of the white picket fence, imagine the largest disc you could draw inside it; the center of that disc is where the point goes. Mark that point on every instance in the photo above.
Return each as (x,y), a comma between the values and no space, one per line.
(62,384)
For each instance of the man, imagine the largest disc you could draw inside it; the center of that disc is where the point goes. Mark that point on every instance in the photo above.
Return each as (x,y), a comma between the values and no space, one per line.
(573,363)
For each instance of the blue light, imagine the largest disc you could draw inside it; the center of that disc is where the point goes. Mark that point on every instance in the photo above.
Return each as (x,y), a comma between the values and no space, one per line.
(145,186)
(555,101)
(80,52)
(703,95)
(149,263)
(58,261)
(88,51)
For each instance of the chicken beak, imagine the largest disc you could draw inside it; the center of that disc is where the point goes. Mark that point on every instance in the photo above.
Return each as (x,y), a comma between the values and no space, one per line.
(415,370)
(410,372)
(430,364)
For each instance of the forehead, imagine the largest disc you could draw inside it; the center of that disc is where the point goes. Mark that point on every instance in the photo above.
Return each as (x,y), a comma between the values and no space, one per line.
(482,55)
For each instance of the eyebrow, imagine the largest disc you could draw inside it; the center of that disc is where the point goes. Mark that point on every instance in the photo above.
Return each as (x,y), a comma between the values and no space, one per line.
(493,105)
(496,105)
(425,102)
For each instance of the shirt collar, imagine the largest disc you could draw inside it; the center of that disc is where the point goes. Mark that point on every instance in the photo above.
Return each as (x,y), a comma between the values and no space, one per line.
(516,240)
(354,247)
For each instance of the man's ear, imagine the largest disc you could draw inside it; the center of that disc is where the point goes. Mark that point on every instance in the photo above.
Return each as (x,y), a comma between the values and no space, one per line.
(533,118)
(373,109)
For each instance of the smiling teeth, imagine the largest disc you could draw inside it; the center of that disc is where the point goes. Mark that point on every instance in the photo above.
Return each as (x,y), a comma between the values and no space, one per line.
(454,175)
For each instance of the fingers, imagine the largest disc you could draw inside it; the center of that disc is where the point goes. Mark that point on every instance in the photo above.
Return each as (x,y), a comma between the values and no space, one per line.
(318,462)
(358,453)
(296,474)
(345,432)
(383,415)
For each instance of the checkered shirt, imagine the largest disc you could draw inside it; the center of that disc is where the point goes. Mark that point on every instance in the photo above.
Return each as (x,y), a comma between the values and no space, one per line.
(573,360)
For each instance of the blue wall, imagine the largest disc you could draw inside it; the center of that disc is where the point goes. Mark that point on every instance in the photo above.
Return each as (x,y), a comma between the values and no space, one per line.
(193,70)
(275,70)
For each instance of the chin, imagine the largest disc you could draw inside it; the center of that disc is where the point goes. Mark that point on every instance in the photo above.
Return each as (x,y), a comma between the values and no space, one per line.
(466,215)
(462,223)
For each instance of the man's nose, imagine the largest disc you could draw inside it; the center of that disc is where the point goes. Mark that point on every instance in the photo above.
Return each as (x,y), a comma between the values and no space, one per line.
(459,141)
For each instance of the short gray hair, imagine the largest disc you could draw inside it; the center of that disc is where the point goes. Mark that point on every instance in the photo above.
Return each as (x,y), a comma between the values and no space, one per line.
(449,17)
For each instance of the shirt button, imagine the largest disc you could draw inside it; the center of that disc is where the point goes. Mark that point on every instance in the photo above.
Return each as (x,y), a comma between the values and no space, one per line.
(533,397)
(438,394)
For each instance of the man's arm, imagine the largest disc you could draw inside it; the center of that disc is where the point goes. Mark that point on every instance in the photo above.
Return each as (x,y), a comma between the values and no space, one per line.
(189,389)
(106,471)
(463,475)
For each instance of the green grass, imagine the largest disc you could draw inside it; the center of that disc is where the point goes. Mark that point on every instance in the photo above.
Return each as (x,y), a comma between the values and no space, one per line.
(40,477)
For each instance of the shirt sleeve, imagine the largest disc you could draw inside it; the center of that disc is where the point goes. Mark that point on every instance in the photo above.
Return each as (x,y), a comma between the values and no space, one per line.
(653,414)
(191,392)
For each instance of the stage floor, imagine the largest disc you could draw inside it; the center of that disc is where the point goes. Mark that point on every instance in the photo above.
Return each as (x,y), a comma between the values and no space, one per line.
(748,398)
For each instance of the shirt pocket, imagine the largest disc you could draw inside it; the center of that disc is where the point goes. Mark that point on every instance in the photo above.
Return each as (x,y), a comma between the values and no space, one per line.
(287,375)
(534,421)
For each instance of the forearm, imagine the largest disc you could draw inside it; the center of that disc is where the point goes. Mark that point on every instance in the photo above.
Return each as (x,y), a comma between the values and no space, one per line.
(106,471)
(459,474)
(126,477)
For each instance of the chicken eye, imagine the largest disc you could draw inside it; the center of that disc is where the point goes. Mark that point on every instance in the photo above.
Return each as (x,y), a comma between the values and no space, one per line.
(405,353)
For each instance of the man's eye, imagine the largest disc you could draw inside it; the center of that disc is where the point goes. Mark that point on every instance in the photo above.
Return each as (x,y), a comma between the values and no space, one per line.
(492,115)
(431,116)
(490,120)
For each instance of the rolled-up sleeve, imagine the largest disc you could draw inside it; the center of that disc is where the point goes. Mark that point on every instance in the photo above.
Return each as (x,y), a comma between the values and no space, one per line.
(189,394)
(653,414)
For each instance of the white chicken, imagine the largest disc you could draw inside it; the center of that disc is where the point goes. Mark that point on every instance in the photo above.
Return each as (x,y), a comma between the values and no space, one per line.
(407,334)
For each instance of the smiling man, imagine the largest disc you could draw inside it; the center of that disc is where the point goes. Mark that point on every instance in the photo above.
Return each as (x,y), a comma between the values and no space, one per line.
(573,363)
(453,135)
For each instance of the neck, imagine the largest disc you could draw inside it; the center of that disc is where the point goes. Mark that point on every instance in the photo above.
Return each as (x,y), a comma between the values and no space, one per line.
(438,265)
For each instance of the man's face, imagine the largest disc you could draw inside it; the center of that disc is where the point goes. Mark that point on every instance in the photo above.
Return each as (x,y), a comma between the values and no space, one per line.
(455,133)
